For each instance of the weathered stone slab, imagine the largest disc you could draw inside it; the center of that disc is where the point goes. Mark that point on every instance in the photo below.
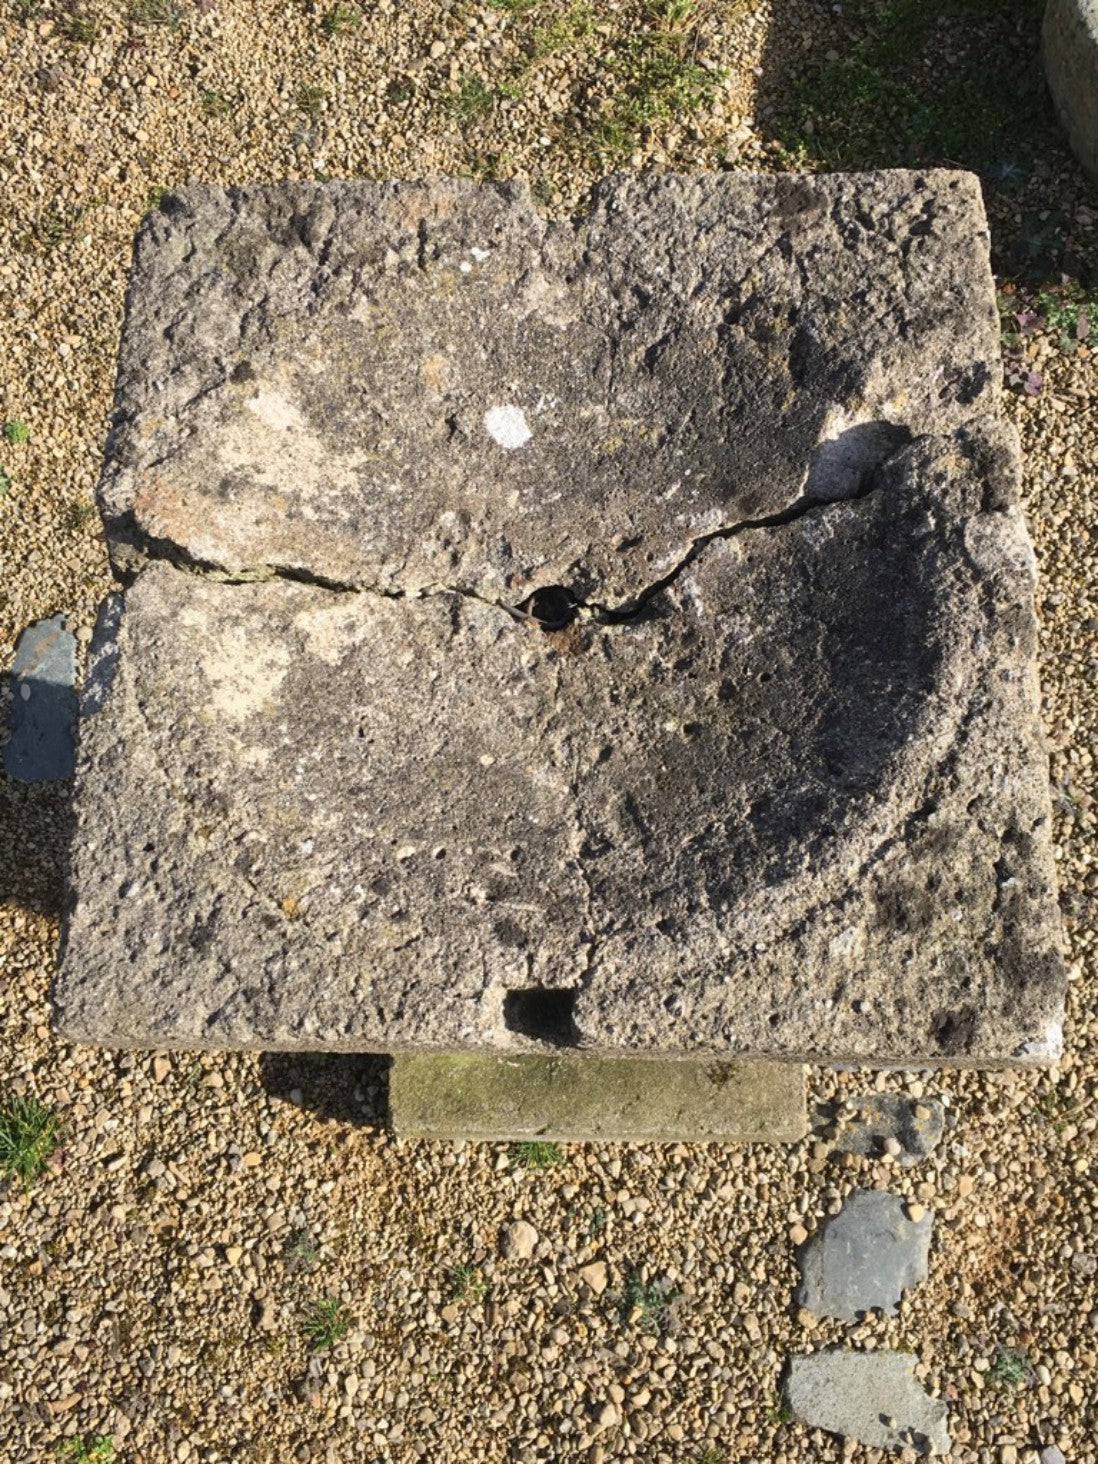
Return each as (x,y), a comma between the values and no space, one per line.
(873,1397)
(575,1099)
(758,771)
(41,746)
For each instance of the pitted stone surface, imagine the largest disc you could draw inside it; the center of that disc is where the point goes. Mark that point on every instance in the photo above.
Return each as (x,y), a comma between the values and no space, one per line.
(795,806)
(412,385)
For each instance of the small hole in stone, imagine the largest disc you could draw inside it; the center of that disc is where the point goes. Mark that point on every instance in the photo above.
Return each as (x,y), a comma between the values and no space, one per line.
(542,1013)
(553,607)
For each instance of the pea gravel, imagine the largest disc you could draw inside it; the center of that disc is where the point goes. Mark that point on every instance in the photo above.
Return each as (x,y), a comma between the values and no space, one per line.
(157,1281)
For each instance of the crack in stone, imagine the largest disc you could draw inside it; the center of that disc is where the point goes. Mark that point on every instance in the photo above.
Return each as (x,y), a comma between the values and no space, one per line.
(144,548)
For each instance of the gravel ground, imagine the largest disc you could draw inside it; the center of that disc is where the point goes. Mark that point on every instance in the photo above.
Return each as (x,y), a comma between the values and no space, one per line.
(156,1282)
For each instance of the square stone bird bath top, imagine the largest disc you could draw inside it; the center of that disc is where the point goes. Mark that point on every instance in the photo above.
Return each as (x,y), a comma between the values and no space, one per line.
(614,633)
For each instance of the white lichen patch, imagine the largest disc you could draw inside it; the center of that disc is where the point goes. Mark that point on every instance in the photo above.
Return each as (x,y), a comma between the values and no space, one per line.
(508,427)
(243,676)
(330,630)
(276,411)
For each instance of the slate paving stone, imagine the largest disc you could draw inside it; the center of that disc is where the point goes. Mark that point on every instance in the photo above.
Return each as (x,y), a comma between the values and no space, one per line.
(43,710)
(873,1397)
(864,1258)
(916,1124)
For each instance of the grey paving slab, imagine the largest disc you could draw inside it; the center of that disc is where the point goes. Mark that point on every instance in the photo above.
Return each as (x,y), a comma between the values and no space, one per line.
(864,1258)
(872,1397)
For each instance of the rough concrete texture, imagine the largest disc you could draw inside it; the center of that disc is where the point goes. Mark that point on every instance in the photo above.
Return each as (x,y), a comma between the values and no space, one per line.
(873,1397)
(1070,51)
(864,1258)
(588,1098)
(41,746)
(774,783)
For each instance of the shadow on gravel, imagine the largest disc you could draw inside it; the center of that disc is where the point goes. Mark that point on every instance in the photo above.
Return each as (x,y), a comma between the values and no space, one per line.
(936,83)
(349,1087)
(36,827)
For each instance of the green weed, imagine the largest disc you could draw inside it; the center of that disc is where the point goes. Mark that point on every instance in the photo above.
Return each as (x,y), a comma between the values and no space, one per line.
(535,1154)
(1010,1368)
(646,1304)
(5,483)
(658,76)
(29,1134)
(779,1412)
(76,514)
(467,1283)
(564,32)
(97,1450)
(16,433)
(302,1250)
(78,26)
(339,20)
(472,101)
(164,13)
(515,7)
(326,1323)
(309,99)
(219,104)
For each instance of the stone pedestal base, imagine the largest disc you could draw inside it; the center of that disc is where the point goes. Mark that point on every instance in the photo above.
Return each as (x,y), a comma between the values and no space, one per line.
(589,1098)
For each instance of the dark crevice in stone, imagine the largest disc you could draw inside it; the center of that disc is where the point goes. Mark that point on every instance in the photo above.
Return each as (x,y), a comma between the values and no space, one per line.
(544,1014)
(844,470)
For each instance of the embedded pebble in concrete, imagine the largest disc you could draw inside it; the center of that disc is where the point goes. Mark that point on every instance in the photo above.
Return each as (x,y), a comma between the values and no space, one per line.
(873,1397)
(43,709)
(880,1121)
(864,1257)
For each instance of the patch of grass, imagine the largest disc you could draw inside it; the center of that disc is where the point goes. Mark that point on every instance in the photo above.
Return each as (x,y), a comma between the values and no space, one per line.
(309,99)
(5,483)
(472,101)
(893,100)
(302,1250)
(596,1224)
(97,1450)
(658,76)
(711,1455)
(29,1134)
(164,13)
(218,103)
(779,1412)
(515,7)
(155,196)
(16,433)
(535,1154)
(467,1283)
(563,32)
(1070,309)
(339,20)
(646,1304)
(1011,1367)
(78,26)
(326,1323)
(76,514)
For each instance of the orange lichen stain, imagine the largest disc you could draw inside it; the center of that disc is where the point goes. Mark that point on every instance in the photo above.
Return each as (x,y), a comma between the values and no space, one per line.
(291,908)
